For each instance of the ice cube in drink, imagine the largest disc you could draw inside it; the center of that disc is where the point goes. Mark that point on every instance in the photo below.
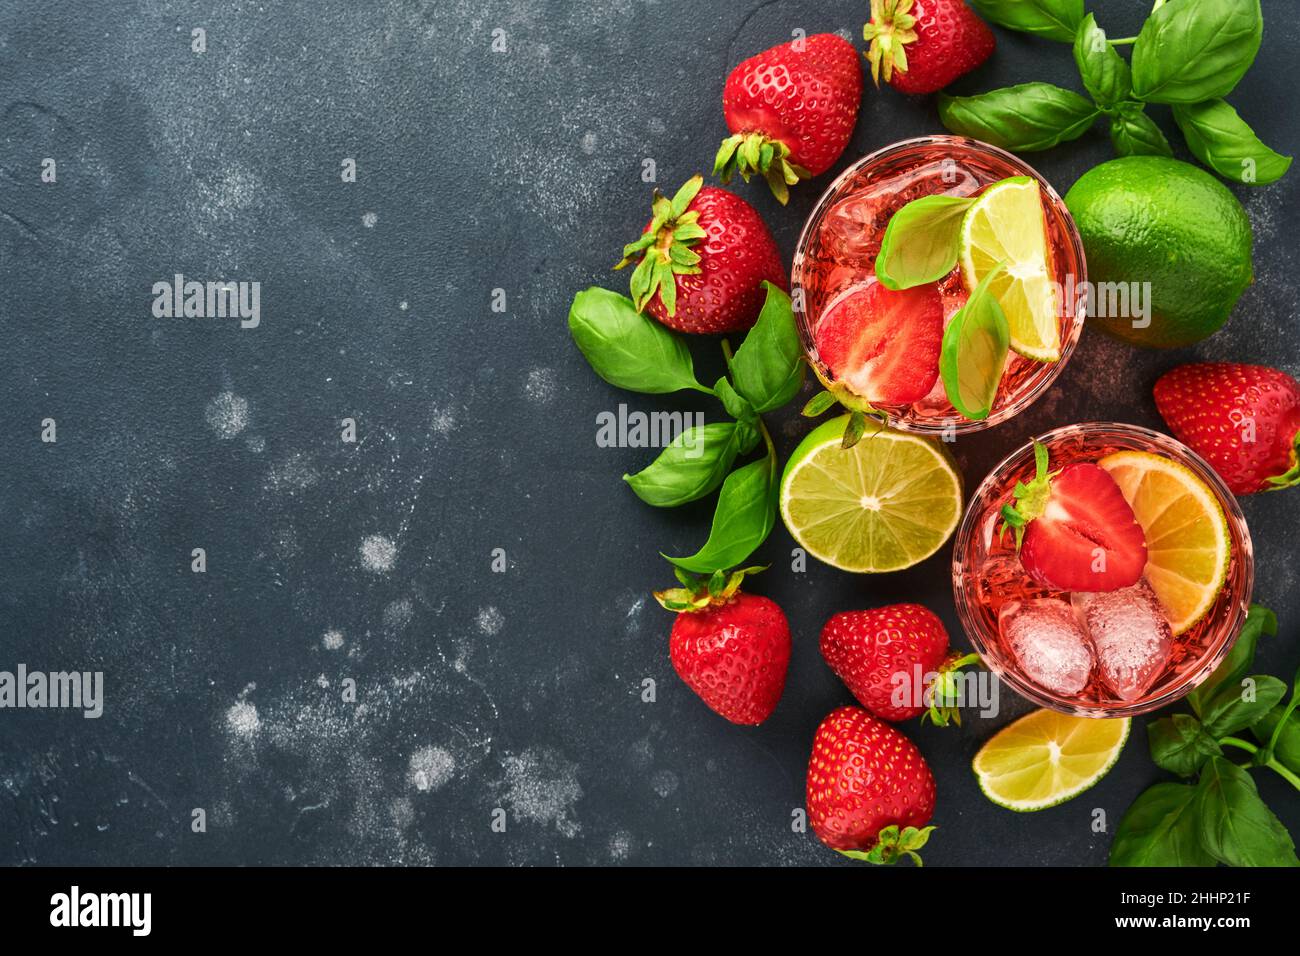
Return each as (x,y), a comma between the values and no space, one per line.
(1048,643)
(1130,635)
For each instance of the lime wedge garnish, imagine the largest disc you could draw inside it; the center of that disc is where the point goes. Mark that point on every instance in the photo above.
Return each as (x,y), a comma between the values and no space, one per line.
(1045,758)
(885,504)
(1006,225)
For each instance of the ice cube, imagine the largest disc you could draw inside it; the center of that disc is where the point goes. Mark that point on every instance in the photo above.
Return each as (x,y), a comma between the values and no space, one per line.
(1049,644)
(854,226)
(1130,635)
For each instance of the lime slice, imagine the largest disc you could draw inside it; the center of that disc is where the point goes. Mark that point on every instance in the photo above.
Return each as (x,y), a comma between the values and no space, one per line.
(1188,544)
(1006,224)
(1045,758)
(885,504)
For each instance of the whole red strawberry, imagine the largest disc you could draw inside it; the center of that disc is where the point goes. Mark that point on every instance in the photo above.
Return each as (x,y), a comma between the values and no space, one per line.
(889,656)
(702,260)
(870,792)
(923,45)
(792,110)
(731,648)
(1243,419)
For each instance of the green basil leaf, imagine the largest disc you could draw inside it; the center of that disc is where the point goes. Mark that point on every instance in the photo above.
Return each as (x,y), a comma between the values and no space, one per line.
(742,521)
(1194,50)
(768,368)
(974,352)
(1287,750)
(1051,19)
(921,241)
(629,349)
(737,405)
(1259,620)
(1024,118)
(1161,828)
(689,467)
(1180,745)
(1237,828)
(1136,134)
(1222,140)
(1228,712)
(1105,73)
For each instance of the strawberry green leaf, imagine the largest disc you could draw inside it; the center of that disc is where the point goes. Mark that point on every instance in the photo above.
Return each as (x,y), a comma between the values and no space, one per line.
(921,242)
(819,404)
(974,351)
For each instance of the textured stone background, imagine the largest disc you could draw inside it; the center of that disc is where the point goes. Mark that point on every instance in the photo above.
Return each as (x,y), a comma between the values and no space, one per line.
(477,171)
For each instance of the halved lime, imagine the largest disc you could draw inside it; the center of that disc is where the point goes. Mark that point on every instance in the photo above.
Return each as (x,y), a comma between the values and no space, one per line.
(1188,544)
(1006,224)
(1045,758)
(885,504)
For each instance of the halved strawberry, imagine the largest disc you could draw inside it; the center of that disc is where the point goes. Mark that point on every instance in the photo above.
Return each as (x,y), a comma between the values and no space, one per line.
(1074,529)
(884,345)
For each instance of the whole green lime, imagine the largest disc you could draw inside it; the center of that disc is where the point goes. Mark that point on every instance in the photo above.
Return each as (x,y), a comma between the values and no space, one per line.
(1168,249)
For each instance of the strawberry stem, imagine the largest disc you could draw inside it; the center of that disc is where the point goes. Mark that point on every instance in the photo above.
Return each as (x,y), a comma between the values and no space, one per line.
(1030,499)
(756,153)
(663,251)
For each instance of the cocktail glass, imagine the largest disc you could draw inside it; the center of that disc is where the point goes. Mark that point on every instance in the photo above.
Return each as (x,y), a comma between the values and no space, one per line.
(839,243)
(988,576)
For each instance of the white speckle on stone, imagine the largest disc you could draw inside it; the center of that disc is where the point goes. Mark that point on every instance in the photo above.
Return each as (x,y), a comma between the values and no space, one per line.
(322,682)
(402,812)
(398,614)
(368,219)
(540,385)
(227,415)
(490,621)
(255,443)
(332,641)
(541,786)
(664,783)
(442,419)
(620,846)
(589,142)
(430,769)
(378,553)
(403,305)
(242,720)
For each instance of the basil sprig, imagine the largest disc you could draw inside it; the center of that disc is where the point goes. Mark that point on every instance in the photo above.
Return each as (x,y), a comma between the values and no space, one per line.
(631,350)
(1189,54)
(1219,817)
(974,351)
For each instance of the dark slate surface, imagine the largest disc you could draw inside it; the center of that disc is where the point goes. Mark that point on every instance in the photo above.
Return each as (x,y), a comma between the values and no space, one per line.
(477,171)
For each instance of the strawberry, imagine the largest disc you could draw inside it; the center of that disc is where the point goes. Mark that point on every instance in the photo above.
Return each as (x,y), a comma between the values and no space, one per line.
(882,344)
(923,45)
(870,792)
(1243,419)
(791,110)
(1074,529)
(715,286)
(731,648)
(883,654)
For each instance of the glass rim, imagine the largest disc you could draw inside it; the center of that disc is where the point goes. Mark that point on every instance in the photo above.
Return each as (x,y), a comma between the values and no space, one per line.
(962,425)
(979,636)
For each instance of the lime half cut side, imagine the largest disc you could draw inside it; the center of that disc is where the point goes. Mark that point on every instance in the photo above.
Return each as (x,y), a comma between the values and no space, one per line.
(885,504)
(1046,758)
(1007,224)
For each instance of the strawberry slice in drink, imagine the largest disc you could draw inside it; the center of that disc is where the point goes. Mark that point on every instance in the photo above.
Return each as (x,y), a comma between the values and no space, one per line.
(1074,529)
(883,345)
